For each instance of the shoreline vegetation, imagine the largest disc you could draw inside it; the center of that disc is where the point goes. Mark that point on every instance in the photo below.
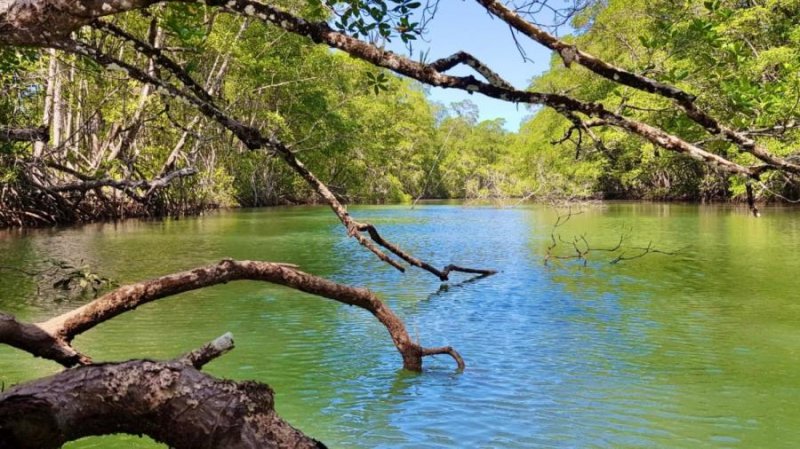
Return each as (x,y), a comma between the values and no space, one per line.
(109,148)
(506,202)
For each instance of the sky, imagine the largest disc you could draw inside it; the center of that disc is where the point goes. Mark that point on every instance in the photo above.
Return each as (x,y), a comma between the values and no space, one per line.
(465,25)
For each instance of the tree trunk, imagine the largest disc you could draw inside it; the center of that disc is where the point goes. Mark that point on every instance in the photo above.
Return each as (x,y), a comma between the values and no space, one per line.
(56,119)
(38,147)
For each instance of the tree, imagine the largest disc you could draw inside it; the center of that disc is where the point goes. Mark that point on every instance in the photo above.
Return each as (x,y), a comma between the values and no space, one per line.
(743,73)
(77,28)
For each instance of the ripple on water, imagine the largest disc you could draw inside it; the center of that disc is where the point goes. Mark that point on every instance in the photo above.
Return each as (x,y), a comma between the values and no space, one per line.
(696,351)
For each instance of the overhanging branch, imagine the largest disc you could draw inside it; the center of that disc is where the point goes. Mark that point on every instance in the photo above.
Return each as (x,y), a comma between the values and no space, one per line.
(19,27)
(250,137)
(321,32)
(462,57)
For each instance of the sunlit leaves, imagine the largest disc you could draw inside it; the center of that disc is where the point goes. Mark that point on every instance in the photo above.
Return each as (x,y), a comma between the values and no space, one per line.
(742,59)
(375,19)
(15,58)
(186,22)
(377,82)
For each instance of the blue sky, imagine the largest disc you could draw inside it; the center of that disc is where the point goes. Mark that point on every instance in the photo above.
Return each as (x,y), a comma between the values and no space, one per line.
(465,25)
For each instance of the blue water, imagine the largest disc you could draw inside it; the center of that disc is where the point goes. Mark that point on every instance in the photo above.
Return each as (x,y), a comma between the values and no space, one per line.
(692,350)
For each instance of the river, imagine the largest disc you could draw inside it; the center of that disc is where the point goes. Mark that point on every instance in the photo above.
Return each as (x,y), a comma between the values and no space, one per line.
(699,349)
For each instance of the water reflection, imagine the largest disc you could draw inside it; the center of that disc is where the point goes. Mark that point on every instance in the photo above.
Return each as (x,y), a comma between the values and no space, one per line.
(694,350)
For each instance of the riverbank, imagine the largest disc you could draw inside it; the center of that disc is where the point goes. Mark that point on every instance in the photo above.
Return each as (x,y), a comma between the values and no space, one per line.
(112,215)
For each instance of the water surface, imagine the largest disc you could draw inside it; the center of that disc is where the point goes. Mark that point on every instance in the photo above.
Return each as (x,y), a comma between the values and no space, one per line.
(695,350)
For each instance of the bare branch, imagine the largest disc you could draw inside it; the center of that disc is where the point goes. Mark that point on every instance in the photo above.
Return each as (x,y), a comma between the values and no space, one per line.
(158,57)
(581,249)
(443,275)
(462,57)
(31,338)
(215,349)
(51,339)
(87,185)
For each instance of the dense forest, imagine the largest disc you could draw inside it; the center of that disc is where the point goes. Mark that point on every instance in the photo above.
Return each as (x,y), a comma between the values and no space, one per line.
(370,136)
(739,57)
(118,148)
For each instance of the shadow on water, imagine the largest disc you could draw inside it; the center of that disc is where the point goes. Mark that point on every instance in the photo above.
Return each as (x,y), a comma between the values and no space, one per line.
(447,287)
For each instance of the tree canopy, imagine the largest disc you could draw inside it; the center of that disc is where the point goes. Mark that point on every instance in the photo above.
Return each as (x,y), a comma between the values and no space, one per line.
(635,88)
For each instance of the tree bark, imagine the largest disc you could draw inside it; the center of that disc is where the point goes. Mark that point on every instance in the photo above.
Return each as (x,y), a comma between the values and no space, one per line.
(172,402)
(35,340)
(39,22)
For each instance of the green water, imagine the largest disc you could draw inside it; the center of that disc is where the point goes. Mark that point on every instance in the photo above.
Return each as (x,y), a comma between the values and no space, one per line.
(696,350)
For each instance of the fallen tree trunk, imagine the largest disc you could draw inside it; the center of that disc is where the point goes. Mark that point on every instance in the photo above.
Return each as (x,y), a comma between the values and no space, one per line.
(172,402)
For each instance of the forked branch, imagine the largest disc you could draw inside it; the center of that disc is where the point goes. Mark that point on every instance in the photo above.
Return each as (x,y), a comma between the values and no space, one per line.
(462,57)
(580,249)
(321,32)
(684,100)
(443,274)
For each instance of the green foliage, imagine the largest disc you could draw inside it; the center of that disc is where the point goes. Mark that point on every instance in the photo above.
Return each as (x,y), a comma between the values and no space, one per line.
(14,59)
(377,82)
(741,59)
(375,18)
(374,137)
(185,22)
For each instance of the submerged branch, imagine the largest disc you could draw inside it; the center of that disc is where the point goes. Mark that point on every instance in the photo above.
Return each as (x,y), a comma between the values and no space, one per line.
(580,248)
(443,275)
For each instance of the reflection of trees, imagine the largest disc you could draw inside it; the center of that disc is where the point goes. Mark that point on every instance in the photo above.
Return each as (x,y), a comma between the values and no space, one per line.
(694,338)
